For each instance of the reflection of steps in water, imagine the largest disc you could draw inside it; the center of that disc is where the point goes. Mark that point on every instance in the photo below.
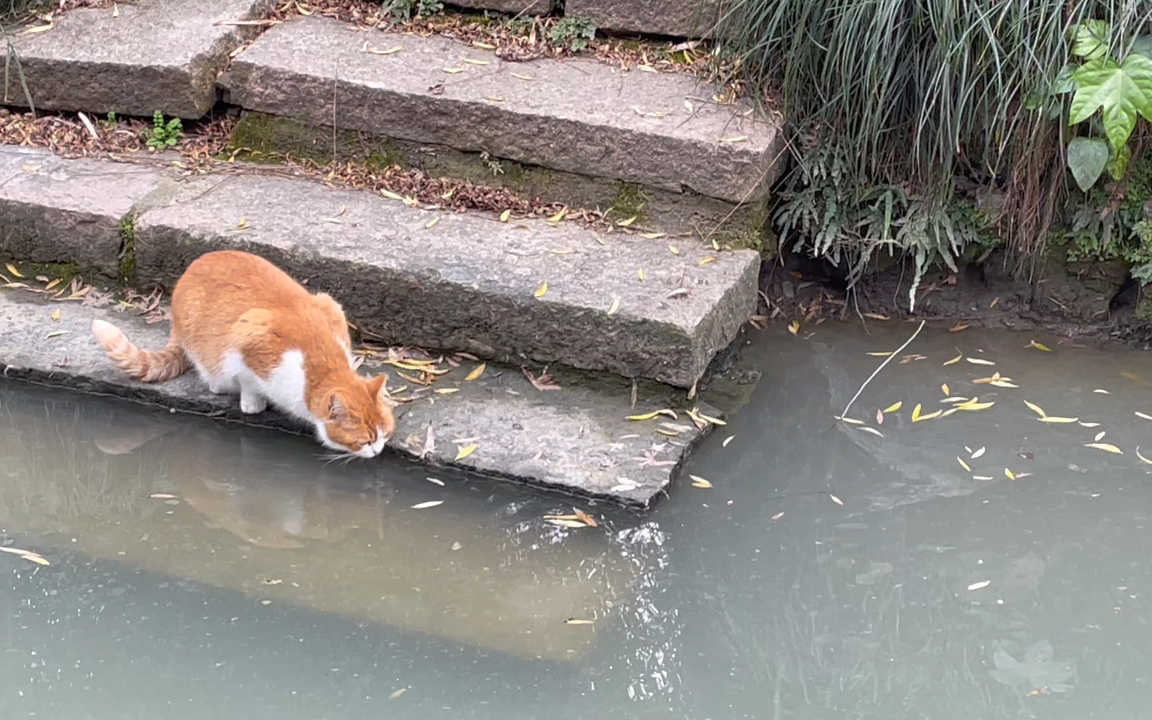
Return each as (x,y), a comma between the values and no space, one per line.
(259,513)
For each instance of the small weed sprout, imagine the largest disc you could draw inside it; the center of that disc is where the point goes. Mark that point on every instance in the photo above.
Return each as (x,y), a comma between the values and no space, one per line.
(164,134)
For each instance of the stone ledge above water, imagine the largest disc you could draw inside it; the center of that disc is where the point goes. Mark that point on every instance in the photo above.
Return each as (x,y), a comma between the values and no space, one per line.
(575,440)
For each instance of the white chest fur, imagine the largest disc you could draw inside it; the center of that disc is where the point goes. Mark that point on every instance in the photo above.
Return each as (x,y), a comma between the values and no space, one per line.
(284,387)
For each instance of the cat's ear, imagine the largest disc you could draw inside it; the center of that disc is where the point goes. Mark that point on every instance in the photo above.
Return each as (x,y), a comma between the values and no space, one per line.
(357,361)
(378,386)
(337,410)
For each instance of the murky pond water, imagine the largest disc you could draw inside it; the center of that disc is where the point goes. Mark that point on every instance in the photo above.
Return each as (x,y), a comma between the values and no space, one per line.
(199,570)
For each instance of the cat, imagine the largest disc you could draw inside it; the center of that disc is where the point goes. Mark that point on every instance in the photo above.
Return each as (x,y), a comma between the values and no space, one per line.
(250,329)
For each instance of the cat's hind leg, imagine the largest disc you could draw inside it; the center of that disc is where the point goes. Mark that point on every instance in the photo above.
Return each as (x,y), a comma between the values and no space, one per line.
(252,401)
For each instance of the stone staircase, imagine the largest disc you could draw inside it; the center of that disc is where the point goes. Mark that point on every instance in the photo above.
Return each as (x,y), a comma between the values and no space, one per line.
(644,299)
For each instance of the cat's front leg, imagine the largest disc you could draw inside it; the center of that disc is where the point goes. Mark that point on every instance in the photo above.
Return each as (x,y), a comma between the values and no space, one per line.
(251,401)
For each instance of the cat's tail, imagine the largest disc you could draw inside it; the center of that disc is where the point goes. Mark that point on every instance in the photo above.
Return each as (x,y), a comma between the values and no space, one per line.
(146,365)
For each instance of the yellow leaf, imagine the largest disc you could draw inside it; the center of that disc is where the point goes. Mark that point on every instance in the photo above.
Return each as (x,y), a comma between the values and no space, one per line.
(447,391)
(794,327)
(541,290)
(979,361)
(614,306)
(574,621)
(466,451)
(963,464)
(1009,474)
(640,274)
(557,217)
(894,407)
(491,98)
(1036,409)
(916,413)
(875,316)
(626,223)
(972,405)
(432,223)
(391,195)
(673,249)
(1143,459)
(654,413)
(56,315)
(958,328)
(880,354)
(850,421)
(1099,436)
(944,387)
(1105,447)
(653,235)
(39,29)
(505,215)
(699,482)
(483,45)
(695,413)
(398,693)
(477,372)
(929,416)
(993,303)
(1039,346)
(1047,419)
(52,284)
(470,61)
(954,360)
(518,76)
(1003,384)
(705,260)
(12,269)
(978,454)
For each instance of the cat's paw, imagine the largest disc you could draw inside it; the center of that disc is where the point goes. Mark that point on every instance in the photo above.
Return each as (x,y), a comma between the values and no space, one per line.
(251,403)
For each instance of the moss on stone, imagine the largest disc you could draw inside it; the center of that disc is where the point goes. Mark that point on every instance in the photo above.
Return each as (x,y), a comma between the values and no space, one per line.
(127,268)
(1144,307)
(631,201)
(263,138)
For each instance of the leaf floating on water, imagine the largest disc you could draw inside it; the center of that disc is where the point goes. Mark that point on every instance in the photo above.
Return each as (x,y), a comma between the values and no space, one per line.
(875,316)
(978,454)
(1089,424)
(958,328)
(956,359)
(944,388)
(963,464)
(26,555)
(654,413)
(584,517)
(1036,409)
(980,585)
(1099,436)
(879,417)
(699,482)
(880,354)
(993,303)
(1009,474)
(979,361)
(398,693)
(1039,346)
(1143,459)
(794,327)
(429,504)
(1050,419)
(466,451)
(435,481)
(776,517)
(872,430)
(700,418)
(981,477)
(727,440)
(1106,447)
(1102,391)
(1003,384)
(541,290)
(850,421)
(916,413)
(929,416)
(477,372)
(835,499)
(574,621)
(1142,415)
(894,407)
(565,523)
(162,496)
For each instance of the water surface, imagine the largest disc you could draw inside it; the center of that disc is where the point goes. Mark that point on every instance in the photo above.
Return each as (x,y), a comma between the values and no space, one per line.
(203,570)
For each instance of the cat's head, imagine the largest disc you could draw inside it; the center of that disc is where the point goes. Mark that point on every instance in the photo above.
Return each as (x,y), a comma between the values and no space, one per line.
(357,417)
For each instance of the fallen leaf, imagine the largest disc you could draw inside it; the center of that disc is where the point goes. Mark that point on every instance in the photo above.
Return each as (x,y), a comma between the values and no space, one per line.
(446,391)
(1089,424)
(432,223)
(727,440)
(1003,384)
(493,99)
(574,621)
(978,454)
(1049,419)
(505,215)
(835,499)
(954,360)
(56,315)
(557,217)
(654,413)
(1009,474)
(963,464)
(162,496)
(958,328)
(980,585)
(1036,409)
(1143,459)
(1101,391)
(470,61)
(699,482)
(584,517)
(435,481)
(39,29)
(944,388)
(673,249)
(389,51)
(972,405)
(981,477)
(706,260)
(734,139)
(874,431)
(979,361)
(12,269)
(1106,447)
(1142,415)
(559,522)
(52,284)
(541,290)
(640,274)
(1099,436)
(929,416)
(916,413)
(398,693)
(879,417)
(626,223)
(518,76)
(429,504)
(794,327)
(993,303)
(776,517)
(850,421)
(1039,346)
(880,354)
(875,316)
(56,334)
(614,306)
(477,372)
(894,406)
(466,451)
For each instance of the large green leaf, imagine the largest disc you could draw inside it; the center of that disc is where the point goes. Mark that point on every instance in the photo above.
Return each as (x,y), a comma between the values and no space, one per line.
(1091,40)
(1087,158)
(1120,92)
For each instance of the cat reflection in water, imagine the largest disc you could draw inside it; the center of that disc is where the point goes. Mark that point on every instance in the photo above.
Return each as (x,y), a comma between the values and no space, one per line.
(250,329)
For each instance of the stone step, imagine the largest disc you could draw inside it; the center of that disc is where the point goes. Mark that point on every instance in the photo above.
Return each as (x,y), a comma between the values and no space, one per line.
(660,130)
(575,440)
(680,18)
(132,59)
(619,303)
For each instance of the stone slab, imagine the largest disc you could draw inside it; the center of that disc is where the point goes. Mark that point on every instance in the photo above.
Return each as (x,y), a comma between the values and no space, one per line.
(465,281)
(680,18)
(135,59)
(67,211)
(575,440)
(577,116)
(512,7)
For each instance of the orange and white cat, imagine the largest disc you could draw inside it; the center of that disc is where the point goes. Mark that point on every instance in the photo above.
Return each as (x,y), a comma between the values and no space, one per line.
(250,329)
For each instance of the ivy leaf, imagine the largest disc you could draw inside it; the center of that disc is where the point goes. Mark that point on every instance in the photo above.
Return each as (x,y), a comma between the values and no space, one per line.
(1091,41)
(1120,92)
(1087,158)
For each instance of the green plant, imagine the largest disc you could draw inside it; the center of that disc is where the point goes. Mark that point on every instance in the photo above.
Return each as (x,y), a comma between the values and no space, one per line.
(493,166)
(572,33)
(402,11)
(111,121)
(163,134)
(1113,89)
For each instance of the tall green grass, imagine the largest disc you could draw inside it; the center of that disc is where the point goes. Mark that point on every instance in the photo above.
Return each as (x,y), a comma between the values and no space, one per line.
(908,96)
